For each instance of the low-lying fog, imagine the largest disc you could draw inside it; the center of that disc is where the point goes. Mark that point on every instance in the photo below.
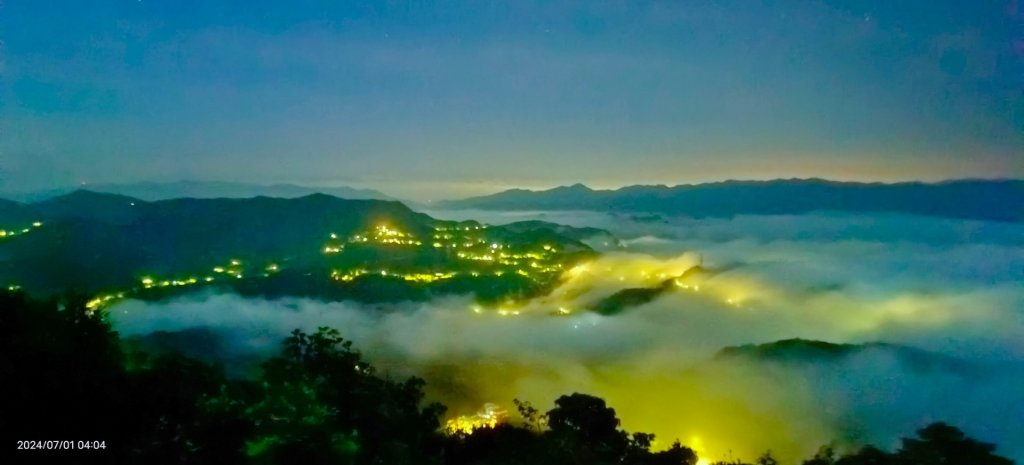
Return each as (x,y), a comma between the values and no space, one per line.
(947,286)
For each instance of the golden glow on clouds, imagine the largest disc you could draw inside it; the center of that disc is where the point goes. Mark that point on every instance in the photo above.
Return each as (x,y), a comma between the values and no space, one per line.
(651,361)
(683,396)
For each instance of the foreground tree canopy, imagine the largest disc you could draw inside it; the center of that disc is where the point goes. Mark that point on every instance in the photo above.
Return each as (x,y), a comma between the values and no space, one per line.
(318,402)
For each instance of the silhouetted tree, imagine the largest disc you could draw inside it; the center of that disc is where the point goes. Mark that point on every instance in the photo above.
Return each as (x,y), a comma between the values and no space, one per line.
(765,459)
(586,430)
(319,401)
(867,456)
(941,444)
(67,379)
(531,416)
(826,455)
(936,444)
(677,454)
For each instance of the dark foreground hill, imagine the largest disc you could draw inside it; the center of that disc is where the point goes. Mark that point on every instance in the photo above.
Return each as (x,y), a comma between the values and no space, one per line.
(317,245)
(805,351)
(997,200)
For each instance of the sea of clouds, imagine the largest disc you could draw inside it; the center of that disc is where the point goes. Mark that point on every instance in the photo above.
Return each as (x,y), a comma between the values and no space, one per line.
(946,286)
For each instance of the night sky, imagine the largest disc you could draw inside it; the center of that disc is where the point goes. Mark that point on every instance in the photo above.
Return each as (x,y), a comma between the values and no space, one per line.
(445,99)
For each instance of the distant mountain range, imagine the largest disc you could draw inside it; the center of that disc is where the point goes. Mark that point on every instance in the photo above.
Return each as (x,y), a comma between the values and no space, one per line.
(997,200)
(805,351)
(153,191)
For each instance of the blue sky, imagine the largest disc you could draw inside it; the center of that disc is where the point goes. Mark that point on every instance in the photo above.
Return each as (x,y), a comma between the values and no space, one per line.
(441,99)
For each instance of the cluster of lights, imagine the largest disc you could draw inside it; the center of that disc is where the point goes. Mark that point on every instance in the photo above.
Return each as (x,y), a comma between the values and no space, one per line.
(93,304)
(478,249)
(427,278)
(504,312)
(149,282)
(472,247)
(497,256)
(392,240)
(17,232)
(461,228)
(234,269)
(351,275)
(381,234)
(486,418)
(456,238)
(688,287)
(734,300)
(237,269)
